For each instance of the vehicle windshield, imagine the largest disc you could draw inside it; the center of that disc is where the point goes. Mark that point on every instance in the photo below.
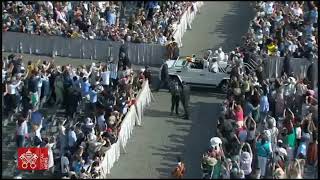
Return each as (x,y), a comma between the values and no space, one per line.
(180,63)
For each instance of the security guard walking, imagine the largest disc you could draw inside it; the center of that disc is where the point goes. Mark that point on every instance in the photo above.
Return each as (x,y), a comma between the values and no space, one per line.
(175,90)
(185,98)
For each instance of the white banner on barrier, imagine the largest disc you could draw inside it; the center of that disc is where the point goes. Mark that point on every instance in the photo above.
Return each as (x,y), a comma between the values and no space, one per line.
(133,117)
(185,21)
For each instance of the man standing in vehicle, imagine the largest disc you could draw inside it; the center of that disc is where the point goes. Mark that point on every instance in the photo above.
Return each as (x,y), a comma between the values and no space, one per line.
(185,98)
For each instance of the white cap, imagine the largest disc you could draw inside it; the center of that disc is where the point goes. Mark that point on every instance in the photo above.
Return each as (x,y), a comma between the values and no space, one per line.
(89,121)
(292,80)
(142,70)
(282,152)
(268,24)
(215,141)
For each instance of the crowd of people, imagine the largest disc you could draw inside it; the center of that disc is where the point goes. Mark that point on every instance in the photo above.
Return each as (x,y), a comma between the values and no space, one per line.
(95,99)
(151,22)
(268,127)
(281,26)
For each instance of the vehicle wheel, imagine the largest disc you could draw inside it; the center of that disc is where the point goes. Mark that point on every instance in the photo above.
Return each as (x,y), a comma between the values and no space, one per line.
(174,79)
(224,86)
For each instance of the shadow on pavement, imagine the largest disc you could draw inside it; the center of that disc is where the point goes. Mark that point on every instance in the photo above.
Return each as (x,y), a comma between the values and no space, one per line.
(156,113)
(193,143)
(234,25)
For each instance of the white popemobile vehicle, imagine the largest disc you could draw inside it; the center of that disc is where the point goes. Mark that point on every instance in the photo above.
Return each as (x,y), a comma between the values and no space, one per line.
(196,74)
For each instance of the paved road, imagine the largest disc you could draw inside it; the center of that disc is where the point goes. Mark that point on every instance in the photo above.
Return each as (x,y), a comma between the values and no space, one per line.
(153,148)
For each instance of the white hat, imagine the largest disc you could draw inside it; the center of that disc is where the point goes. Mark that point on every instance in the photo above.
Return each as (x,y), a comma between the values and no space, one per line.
(89,121)
(215,141)
(282,151)
(220,48)
(142,70)
(268,24)
(292,80)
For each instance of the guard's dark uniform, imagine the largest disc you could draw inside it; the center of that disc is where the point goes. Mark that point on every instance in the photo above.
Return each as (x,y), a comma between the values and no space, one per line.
(185,98)
(175,90)
(164,77)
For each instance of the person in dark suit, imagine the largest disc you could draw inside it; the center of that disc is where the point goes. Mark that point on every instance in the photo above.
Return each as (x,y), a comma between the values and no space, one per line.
(185,98)
(176,51)
(72,100)
(123,48)
(147,74)
(175,90)
(164,77)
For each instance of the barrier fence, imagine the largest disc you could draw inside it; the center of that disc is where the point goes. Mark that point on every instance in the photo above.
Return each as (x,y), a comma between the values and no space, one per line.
(273,67)
(186,19)
(132,118)
(143,54)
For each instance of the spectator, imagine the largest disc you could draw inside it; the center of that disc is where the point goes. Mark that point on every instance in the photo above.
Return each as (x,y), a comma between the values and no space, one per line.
(72,138)
(164,76)
(65,165)
(93,20)
(264,152)
(246,160)
(67,87)
(22,131)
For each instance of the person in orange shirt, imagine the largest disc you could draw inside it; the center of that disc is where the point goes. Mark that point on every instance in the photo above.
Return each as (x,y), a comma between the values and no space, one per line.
(179,170)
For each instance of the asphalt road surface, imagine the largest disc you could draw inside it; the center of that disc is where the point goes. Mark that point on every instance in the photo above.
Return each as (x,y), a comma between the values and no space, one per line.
(154,147)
